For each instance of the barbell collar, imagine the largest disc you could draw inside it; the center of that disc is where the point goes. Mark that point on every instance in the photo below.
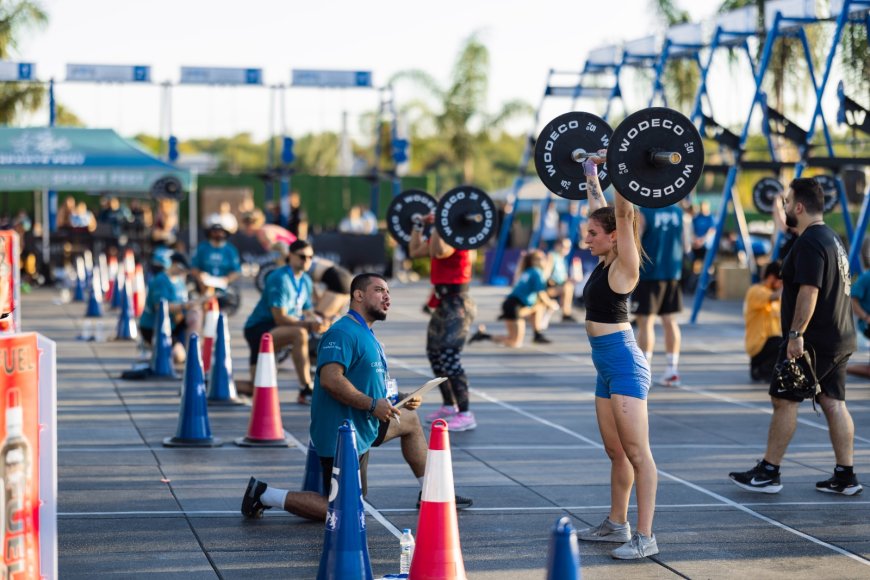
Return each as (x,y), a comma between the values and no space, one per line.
(663,158)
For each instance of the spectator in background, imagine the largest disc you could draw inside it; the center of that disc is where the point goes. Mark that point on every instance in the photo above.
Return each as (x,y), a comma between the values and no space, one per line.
(65,212)
(550,227)
(115,215)
(165,229)
(359,220)
(298,221)
(703,230)
(861,302)
(761,312)
(83,219)
(560,284)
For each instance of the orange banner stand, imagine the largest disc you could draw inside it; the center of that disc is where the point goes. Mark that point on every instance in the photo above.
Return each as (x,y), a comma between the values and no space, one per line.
(28,456)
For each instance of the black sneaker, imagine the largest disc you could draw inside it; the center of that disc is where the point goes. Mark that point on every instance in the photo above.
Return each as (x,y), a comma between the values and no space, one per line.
(478,336)
(568,318)
(541,339)
(757,479)
(252,508)
(845,485)
(461,502)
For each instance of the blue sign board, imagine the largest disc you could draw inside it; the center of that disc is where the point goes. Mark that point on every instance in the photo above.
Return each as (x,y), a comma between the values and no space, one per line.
(17,71)
(341,79)
(108,73)
(195,75)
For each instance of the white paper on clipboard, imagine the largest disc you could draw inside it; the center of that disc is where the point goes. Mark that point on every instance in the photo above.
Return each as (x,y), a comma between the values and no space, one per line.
(422,390)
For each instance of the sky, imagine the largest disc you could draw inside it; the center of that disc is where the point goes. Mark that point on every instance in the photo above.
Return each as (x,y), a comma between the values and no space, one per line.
(525,39)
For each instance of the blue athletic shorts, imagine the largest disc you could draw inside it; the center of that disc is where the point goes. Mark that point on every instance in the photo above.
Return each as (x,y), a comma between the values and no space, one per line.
(622,368)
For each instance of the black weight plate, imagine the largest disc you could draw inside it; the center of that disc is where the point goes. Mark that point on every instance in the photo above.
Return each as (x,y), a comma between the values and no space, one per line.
(564,134)
(764,192)
(401,212)
(629,157)
(465,217)
(829,187)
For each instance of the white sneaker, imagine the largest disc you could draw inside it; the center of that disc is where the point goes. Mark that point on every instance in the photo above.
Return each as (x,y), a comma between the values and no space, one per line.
(669,380)
(639,546)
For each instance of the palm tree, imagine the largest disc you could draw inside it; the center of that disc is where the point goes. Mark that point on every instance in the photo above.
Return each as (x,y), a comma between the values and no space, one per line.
(15,17)
(460,119)
(681,76)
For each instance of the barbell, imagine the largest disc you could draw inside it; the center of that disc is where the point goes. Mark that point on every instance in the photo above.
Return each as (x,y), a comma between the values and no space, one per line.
(766,189)
(465,216)
(654,158)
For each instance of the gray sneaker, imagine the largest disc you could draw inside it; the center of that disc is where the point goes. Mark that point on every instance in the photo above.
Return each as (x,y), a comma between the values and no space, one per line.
(639,546)
(606,531)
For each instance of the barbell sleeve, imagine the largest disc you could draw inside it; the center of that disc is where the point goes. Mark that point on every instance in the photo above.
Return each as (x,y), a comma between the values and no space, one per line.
(660,158)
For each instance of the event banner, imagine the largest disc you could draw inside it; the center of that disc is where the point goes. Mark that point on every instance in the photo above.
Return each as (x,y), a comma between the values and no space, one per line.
(19,430)
(10,282)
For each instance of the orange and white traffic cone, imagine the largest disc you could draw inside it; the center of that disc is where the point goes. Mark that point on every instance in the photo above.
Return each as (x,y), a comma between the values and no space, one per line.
(437,555)
(139,291)
(265,428)
(209,331)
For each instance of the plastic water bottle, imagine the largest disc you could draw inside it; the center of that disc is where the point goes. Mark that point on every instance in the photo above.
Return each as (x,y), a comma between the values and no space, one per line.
(407,544)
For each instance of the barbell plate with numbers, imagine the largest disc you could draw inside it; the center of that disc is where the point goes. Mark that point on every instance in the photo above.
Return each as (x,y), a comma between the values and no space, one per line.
(655,157)
(402,211)
(829,187)
(764,192)
(556,145)
(466,217)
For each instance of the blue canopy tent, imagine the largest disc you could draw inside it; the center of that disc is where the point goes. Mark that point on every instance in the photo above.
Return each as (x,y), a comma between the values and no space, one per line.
(74,159)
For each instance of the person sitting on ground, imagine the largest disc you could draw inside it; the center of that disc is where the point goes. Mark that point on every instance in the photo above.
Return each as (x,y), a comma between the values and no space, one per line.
(286,310)
(560,285)
(168,272)
(761,312)
(350,384)
(528,299)
(861,302)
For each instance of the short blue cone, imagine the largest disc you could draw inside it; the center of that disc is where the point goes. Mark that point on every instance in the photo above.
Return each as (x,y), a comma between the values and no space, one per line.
(563,561)
(117,290)
(221,386)
(345,549)
(127,328)
(161,348)
(79,291)
(193,428)
(313,480)
(95,301)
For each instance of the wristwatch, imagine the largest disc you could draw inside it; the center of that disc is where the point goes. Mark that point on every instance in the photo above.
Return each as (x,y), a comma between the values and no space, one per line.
(793,334)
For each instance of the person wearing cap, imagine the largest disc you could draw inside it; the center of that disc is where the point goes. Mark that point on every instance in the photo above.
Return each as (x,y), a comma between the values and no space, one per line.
(285,309)
(166,281)
(215,257)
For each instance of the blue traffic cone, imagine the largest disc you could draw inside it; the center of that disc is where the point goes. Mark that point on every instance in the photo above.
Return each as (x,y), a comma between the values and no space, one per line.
(127,328)
(117,290)
(313,479)
(81,277)
(161,349)
(563,560)
(193,428)
(345,549)
(221,386)
(95,300)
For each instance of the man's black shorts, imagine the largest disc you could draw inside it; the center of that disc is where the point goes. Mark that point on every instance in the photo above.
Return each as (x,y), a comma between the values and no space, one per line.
(326,463)
(830,370)
(657,297)
(253,334)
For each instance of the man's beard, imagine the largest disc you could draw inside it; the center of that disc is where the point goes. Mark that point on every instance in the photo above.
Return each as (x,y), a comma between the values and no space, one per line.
(376,314)
(791,220)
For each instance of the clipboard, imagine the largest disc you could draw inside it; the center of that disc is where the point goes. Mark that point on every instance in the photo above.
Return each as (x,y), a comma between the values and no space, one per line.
(421,391)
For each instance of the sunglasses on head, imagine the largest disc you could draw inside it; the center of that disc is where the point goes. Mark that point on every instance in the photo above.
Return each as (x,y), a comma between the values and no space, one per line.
(304,256)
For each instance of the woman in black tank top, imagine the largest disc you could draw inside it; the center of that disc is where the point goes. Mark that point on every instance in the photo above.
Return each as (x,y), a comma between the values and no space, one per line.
(623,373)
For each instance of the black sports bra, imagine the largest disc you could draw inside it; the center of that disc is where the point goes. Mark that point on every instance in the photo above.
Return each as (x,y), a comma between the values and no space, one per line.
(602,303)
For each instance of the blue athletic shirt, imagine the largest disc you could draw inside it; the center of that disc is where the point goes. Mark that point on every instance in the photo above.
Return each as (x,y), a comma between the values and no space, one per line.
(282,290)
(861,291)
(220,261)
(527,287)
(160,287)
(559,275)
(662,241)
(355,348)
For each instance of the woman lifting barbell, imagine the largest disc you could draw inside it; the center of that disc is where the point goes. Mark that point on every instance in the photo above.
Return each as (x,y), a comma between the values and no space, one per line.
(623,373)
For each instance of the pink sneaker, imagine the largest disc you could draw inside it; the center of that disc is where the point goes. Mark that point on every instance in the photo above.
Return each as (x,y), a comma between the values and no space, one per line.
(669,380)
(462,422)
(443,412)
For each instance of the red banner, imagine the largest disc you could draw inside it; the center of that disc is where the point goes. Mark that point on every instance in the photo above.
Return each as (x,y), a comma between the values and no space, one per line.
(9,282)
(19,456)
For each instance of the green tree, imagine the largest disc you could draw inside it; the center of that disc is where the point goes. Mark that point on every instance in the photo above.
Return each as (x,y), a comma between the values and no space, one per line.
(459,117)
(681,76)
(16,17)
